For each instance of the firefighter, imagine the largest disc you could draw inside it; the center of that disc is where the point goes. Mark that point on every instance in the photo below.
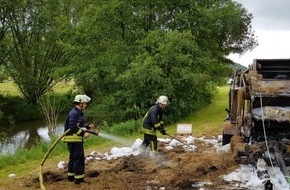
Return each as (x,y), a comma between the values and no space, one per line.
(76,122)
(152,121)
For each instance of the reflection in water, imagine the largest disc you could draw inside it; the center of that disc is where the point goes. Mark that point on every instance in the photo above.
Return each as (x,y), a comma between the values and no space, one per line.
(24,135)
(9,145)
(26,139)
(43,132)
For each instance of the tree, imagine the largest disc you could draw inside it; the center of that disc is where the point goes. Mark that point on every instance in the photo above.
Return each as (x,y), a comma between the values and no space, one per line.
(38,43)
(4,12)
(177,68)
(133,51)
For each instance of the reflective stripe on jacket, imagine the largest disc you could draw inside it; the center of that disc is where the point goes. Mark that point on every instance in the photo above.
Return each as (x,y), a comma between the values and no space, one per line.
(152,120)
(74,121)
(72,138)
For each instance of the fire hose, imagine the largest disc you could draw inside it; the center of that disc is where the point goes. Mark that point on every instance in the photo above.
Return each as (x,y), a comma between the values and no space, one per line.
(50,150)
(172,137)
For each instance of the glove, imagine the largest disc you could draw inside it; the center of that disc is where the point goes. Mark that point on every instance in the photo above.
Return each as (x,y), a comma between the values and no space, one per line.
(90,126)
(86,135)
(96,133)
(162,130)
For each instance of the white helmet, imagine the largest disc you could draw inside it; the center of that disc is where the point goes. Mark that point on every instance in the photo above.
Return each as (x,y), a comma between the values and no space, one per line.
(82,98)
(162,100)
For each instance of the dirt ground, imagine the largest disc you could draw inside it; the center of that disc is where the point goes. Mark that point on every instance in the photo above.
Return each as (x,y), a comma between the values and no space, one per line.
(174,169)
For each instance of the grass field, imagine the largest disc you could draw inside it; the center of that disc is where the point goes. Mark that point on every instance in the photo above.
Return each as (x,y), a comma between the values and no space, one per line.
(206,122)
(10,88)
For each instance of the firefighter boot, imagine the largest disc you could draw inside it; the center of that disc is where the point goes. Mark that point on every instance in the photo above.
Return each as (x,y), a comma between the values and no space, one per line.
(80,180)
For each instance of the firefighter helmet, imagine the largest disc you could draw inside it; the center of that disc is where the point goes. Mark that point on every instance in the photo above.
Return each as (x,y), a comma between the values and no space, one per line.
(162,100)
(82,98)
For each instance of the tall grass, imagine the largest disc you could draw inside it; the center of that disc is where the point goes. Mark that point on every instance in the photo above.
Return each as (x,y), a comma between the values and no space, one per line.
(126,129)
(205,122)
(24,159)
(208,121)
(10,88)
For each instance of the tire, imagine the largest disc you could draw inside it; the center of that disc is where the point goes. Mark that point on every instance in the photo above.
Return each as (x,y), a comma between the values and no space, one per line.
(226,139)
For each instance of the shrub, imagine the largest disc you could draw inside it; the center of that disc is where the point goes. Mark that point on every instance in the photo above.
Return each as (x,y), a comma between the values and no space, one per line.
(125,128)
(16,109)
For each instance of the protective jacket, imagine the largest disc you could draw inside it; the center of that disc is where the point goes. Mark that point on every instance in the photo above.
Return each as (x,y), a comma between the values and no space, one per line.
(75,121)
(153,120)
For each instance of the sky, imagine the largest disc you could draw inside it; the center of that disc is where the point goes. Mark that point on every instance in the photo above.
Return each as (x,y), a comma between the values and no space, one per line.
(272,28)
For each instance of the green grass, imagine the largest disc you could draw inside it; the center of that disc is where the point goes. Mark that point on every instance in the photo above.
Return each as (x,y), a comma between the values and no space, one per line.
(26,159)
(10,88)
(63,87)
(206,122)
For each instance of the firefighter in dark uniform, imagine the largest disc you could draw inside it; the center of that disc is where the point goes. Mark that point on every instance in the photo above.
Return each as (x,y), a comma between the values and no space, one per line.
(76,122)
(153,121)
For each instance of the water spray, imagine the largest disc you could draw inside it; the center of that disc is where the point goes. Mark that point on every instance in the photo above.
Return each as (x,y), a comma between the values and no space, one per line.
(115,138)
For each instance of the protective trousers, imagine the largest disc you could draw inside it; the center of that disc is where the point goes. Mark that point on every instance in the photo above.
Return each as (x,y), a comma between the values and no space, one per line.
(76,165)
(150,140)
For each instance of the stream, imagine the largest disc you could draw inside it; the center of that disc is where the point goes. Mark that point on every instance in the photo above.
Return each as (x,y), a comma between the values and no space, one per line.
(25,135)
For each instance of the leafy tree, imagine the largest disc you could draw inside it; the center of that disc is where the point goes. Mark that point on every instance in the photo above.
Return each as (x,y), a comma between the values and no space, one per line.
(176,69)
(125,53)
(4,12)
(37,43)
(136,50)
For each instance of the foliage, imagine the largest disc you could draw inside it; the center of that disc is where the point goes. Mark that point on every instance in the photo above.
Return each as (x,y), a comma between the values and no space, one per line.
(51,110)
(209,120)
(237,66)
(16,108)
(206,122)
(135,51)
(125,53)
(35,47)
(124,128)
(3,75)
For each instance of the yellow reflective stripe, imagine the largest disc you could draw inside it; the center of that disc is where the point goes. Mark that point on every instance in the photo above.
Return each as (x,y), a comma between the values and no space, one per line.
(148,131)
(145,117)
(79,132)
(152,146)
(70,174)
(79,176)
(157,125)
(72,138)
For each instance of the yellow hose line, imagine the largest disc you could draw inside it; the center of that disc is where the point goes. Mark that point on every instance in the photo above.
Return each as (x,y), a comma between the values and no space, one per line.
(45,157)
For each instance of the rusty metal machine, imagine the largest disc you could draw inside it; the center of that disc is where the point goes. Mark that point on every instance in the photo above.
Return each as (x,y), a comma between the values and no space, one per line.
(259,114)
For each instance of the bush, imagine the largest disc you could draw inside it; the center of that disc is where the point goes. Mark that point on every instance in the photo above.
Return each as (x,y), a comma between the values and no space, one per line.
(16,109)
(125,128)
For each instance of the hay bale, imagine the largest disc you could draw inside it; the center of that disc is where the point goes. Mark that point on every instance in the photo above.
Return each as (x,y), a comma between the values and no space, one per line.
(254,76)
(237,145)
(270,86)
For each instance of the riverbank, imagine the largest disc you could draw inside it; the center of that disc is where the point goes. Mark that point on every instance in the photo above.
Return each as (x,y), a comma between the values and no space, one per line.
(206,122)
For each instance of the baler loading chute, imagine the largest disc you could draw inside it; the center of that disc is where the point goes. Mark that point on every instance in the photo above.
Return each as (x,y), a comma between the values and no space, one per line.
(259,104)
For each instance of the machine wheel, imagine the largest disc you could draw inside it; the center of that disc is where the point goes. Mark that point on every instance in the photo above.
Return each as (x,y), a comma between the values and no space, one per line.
(226,139)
